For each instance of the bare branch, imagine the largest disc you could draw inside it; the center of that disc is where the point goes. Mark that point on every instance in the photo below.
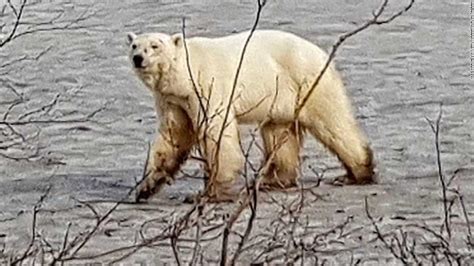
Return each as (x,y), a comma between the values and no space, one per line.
(74,249)
(36,208)
(381,237)
(260,5)
(53,121)
(26,58)
(376,20)
(18,16)
(32,240)
(46,108)
(72,24)
(250,222)
(174,242)
(197,244)
(435,127)
(469,237)
(190,73)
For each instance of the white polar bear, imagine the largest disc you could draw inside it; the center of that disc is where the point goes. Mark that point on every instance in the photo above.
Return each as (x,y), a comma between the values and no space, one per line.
(277,72)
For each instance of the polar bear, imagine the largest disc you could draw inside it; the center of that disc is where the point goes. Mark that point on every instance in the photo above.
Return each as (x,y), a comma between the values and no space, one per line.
(192,82)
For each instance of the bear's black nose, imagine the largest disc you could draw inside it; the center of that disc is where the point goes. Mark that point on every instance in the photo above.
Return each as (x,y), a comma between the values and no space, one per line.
(137,61)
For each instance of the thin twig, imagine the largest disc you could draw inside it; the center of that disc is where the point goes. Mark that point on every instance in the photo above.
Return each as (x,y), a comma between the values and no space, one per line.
(435,127)
(374,21)
(250,222)
(36,208)
(190,72)
(99,222)
(174,246)
(197,244)
(380,236)
(52,121)
(17,23)
(260,5)
(469,238)
(32,239)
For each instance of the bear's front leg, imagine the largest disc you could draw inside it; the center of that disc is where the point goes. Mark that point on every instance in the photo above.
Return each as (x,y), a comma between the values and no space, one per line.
(173,142)
(282,144)
(224,159)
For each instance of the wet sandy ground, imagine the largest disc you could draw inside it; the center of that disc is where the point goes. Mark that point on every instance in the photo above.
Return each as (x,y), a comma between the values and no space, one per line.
(396,75)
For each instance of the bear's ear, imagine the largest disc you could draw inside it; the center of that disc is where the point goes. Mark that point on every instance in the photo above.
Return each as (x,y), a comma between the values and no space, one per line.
(177,39)
(130,37)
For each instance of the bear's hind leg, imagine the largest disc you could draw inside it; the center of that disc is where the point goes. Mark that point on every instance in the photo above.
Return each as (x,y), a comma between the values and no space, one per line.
(282,146)
(339,132)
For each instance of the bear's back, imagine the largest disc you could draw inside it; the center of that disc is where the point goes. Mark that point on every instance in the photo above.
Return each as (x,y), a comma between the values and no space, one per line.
(266,48)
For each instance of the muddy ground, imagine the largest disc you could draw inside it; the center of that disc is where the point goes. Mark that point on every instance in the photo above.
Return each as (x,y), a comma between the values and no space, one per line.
(396,74)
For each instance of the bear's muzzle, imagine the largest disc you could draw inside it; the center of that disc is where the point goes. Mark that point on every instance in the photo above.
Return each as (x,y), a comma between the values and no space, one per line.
(138,61)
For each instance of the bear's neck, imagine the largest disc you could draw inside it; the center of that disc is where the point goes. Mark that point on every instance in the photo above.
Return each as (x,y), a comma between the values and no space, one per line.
(165,80)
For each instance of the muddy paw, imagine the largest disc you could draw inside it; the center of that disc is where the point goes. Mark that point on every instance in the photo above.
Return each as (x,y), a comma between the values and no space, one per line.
(221,198)
(276,185)
(218,193)
(351,180)
(149,187)
(192,198)
(340,181)
(144,192)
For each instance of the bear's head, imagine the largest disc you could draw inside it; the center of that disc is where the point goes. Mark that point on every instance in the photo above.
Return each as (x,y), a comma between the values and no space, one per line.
(153,53)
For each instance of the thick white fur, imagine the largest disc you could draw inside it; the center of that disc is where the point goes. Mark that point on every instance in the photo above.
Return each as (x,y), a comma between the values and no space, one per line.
(277,71)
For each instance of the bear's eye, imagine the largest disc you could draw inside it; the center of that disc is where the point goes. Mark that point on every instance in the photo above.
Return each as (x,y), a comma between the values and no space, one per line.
(134,46)
(154,46)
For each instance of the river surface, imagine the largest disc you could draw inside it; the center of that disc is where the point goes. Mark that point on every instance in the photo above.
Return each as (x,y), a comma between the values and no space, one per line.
(396,74)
